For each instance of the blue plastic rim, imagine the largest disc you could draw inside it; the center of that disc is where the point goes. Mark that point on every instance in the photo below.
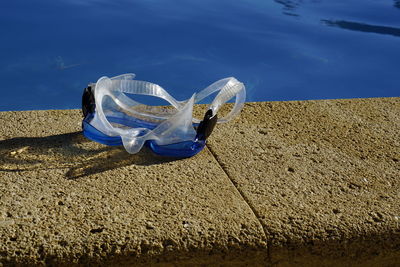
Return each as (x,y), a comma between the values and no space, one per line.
(183,149)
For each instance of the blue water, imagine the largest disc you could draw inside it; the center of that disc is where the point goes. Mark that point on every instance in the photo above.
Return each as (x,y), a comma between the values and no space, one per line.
(281,50)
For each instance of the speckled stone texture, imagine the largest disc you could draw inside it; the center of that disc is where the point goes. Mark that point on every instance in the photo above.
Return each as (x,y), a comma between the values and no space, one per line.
(323,177)
(306,183)
(65,200)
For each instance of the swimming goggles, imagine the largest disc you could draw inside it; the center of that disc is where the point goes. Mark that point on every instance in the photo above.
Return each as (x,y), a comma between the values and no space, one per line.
(113,117)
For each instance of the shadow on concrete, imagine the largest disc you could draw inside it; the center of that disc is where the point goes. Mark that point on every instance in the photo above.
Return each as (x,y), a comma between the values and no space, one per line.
(70,151)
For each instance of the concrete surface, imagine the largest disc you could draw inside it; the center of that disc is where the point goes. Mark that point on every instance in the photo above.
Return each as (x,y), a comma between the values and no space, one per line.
(65,199)
(323,177)
(288,183)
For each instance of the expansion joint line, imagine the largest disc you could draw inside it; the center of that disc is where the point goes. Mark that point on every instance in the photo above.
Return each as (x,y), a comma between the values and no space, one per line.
(254,211)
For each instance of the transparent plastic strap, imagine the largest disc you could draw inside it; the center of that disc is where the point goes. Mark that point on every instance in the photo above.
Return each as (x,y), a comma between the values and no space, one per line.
(228,88)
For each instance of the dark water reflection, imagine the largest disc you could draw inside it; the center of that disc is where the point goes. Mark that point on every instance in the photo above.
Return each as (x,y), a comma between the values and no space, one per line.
(289,7)
(281,50)
(362,27)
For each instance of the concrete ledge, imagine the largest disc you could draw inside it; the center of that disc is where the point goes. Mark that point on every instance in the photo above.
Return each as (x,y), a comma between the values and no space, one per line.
(323,177)
(289,183)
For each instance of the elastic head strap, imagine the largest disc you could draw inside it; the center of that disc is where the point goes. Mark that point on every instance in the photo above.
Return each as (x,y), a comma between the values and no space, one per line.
(228,88)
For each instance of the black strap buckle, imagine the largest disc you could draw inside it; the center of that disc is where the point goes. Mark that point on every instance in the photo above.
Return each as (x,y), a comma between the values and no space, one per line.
(88,103)
(207,125)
